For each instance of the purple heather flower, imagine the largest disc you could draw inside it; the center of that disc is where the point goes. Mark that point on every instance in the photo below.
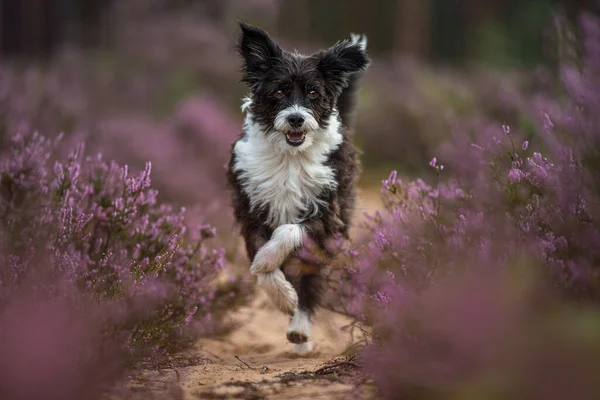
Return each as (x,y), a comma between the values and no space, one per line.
(548,125)
(515,175)
(105,237)
(390,181)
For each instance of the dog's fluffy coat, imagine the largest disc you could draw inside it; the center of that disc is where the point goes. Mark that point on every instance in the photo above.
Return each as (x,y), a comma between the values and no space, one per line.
(293,170)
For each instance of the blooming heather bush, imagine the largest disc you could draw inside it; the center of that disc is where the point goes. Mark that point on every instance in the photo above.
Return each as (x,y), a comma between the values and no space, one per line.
(111,276)
(486,282)
(93,109)
(408,107)
(166,91)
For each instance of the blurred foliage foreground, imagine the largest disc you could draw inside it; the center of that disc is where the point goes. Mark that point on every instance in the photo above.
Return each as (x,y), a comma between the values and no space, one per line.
(483,281)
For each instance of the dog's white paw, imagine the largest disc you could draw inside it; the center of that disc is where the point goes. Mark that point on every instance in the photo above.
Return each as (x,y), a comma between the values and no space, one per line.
(299,329)
(303,347)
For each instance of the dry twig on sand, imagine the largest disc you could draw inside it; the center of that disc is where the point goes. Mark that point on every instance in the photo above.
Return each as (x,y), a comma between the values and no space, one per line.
(328,369)
(245,363)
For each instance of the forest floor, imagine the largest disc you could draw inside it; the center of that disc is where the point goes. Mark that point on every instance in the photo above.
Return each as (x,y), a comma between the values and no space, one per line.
(255,360)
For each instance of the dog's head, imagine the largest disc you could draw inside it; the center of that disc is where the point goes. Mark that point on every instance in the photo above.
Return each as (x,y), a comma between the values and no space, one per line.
(293,96)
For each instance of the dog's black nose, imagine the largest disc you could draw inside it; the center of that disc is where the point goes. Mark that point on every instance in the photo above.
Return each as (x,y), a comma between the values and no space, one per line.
(296,120)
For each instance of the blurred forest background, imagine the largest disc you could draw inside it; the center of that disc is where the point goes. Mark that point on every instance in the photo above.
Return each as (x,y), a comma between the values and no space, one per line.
(158,80)
(508,32)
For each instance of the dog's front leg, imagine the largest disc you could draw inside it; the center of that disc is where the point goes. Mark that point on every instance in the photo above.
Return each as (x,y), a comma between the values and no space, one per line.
(267,261)
(285,240)
(309,288)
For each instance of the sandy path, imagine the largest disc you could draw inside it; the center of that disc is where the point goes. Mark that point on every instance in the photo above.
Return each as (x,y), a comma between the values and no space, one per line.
(261,343)
(278,372)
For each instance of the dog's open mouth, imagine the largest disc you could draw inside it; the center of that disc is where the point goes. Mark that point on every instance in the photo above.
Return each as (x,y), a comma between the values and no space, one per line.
(294,138)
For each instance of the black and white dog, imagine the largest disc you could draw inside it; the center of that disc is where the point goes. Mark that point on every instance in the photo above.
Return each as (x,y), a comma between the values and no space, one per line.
(293,170)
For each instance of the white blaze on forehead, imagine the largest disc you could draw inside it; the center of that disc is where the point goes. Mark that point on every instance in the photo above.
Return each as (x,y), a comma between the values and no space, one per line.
(281,123)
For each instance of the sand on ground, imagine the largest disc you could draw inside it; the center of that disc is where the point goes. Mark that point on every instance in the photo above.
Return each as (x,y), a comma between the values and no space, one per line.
(274,370)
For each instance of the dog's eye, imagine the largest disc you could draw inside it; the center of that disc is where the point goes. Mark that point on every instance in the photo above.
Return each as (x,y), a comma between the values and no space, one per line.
(312,94)
(278,93)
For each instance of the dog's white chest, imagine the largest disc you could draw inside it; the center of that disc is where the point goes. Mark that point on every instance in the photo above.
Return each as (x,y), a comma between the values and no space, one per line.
(288,185)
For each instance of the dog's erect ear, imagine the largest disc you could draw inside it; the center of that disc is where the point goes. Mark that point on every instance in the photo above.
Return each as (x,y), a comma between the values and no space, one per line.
(342,60)
(258,52)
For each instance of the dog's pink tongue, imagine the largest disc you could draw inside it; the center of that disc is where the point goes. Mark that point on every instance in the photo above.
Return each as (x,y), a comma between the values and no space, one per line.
(295,135)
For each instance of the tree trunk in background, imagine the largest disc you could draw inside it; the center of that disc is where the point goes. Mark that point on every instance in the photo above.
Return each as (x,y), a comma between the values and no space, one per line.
(574,7)
(94,26)
(376,19)
(214,10)
(324,25)
(436,29)
(27,27)
(294,20)
(479,13)
(34,28)
(448,34)
(326,22)
(9,23)
(482,11)
(412,27)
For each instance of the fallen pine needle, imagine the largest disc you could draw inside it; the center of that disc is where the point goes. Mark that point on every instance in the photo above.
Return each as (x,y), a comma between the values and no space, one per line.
(247,365)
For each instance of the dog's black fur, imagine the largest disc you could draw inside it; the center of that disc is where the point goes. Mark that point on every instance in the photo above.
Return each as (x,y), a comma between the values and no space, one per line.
(334,74)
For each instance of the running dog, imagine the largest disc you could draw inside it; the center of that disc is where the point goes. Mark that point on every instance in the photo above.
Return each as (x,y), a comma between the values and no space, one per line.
(292,172)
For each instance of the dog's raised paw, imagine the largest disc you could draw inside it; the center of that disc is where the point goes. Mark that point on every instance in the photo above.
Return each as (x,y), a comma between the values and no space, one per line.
(266,260)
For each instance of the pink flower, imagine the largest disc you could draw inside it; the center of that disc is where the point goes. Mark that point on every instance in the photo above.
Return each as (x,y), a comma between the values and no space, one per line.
(515,175)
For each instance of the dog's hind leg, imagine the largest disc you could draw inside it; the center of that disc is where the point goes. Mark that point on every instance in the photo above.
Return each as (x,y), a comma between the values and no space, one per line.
(309,288)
